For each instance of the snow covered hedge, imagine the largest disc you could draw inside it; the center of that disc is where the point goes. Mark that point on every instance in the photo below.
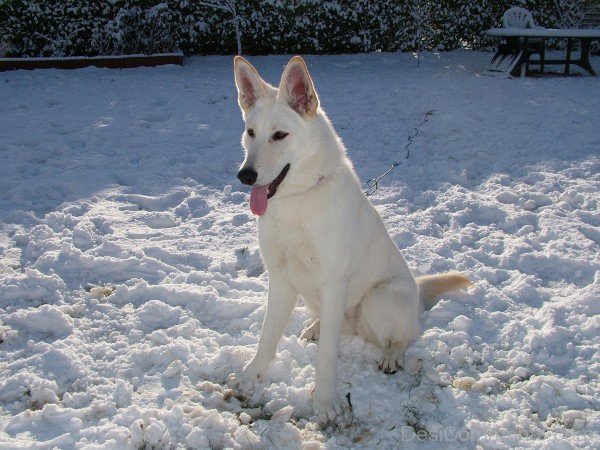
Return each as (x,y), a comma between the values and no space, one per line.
(109,27)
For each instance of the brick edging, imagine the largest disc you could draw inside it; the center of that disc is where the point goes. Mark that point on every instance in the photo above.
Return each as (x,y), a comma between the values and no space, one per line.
(112,62)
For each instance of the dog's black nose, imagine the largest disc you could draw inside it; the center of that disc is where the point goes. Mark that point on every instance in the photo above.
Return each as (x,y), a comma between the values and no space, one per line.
(247,176)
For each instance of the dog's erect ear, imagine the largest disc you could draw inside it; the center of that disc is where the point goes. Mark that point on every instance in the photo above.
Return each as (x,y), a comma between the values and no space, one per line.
(249,84)
(297,88)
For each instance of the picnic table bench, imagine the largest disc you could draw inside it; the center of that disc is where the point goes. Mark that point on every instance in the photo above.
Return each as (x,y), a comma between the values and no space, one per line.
(524,35)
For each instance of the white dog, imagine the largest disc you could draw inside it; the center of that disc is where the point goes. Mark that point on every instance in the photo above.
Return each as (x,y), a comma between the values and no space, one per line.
(320,237)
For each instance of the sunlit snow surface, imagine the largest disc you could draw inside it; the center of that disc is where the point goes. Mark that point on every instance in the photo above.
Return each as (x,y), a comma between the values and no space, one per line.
(131,285)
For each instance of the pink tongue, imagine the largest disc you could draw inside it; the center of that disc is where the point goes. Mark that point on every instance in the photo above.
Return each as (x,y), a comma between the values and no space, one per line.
(258,200)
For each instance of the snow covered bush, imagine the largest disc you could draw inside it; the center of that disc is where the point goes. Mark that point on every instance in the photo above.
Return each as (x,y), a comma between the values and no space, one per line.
(85,27)
(136,30)
(52,28)
(4,49)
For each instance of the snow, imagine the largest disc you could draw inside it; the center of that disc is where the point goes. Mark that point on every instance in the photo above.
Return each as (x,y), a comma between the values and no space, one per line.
(131,284)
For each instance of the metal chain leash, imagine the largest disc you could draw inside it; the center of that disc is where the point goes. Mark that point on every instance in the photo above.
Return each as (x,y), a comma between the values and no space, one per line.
(373,183)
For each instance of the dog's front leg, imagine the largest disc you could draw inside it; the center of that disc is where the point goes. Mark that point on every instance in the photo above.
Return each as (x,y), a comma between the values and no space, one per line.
(281,302)
(326,402)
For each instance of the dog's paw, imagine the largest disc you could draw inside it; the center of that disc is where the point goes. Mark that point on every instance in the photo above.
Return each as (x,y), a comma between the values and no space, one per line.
(234,381)
(393,358)
(326,409)
(311,332)
(390,365)
(250,374)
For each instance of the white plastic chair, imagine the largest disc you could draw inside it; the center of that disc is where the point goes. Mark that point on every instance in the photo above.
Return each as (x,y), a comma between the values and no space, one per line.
(517,17)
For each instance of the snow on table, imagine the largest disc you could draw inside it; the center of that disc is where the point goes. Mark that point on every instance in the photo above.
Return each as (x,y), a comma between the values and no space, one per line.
(131,285)
(546,32)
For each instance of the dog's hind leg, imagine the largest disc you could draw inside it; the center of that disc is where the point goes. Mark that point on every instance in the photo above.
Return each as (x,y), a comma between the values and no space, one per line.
(311,331)
(312,325)
(389,318)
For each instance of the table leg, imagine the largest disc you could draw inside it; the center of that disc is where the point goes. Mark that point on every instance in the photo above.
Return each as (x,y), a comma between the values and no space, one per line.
(584,59)
(568,61)
(525,64)
(542,56)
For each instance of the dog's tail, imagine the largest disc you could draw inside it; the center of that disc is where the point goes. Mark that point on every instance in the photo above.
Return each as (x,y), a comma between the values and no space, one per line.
(431,286)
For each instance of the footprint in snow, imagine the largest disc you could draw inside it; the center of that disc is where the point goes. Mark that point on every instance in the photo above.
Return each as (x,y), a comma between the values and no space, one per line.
(153,203)
(158,102)
(158,220)
(156,117)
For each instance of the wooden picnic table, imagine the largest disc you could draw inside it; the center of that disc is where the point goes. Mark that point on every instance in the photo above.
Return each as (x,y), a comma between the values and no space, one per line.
(584,35)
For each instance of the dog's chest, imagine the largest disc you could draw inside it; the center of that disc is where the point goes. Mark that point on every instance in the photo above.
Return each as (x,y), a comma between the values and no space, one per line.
(291,248)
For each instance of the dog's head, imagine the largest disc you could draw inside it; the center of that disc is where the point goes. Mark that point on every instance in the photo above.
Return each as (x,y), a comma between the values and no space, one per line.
(279,122)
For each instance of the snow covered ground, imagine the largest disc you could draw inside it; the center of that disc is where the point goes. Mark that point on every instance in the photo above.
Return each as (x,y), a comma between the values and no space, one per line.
(131,285)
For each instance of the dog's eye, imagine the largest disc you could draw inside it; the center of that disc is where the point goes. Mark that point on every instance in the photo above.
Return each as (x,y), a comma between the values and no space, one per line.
(279,135)
(250,132)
